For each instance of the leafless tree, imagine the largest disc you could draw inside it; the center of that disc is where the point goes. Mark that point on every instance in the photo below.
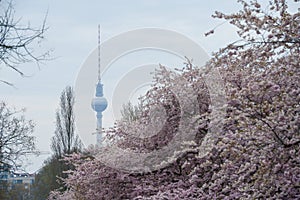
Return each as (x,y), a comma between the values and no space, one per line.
(65,141)
(15,135)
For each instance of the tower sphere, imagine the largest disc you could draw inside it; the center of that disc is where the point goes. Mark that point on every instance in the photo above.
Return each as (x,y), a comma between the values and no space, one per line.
(99,104)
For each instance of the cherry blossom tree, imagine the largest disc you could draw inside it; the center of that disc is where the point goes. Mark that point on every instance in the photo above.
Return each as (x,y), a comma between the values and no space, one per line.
(256,153)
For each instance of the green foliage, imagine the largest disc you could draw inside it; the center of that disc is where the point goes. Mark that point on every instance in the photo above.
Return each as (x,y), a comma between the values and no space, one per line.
(47,178)
(3,190)
(18,192)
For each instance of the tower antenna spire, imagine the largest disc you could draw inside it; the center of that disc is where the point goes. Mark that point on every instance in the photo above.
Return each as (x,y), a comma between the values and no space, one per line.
(99,102)
(99,58)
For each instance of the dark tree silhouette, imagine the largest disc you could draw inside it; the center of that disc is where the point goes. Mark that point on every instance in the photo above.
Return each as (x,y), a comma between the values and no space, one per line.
(65,141)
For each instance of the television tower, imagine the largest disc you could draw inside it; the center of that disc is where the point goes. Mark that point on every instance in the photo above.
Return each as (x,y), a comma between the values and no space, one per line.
(99,102)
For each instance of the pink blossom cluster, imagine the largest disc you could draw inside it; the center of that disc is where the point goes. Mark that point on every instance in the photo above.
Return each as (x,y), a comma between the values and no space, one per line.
(256,155)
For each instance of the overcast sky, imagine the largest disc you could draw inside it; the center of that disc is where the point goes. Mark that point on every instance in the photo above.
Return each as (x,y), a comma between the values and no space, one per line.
(72,35)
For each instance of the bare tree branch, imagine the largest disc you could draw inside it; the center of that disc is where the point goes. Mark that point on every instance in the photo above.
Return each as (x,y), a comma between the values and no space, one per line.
(15,136)
(17,42)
